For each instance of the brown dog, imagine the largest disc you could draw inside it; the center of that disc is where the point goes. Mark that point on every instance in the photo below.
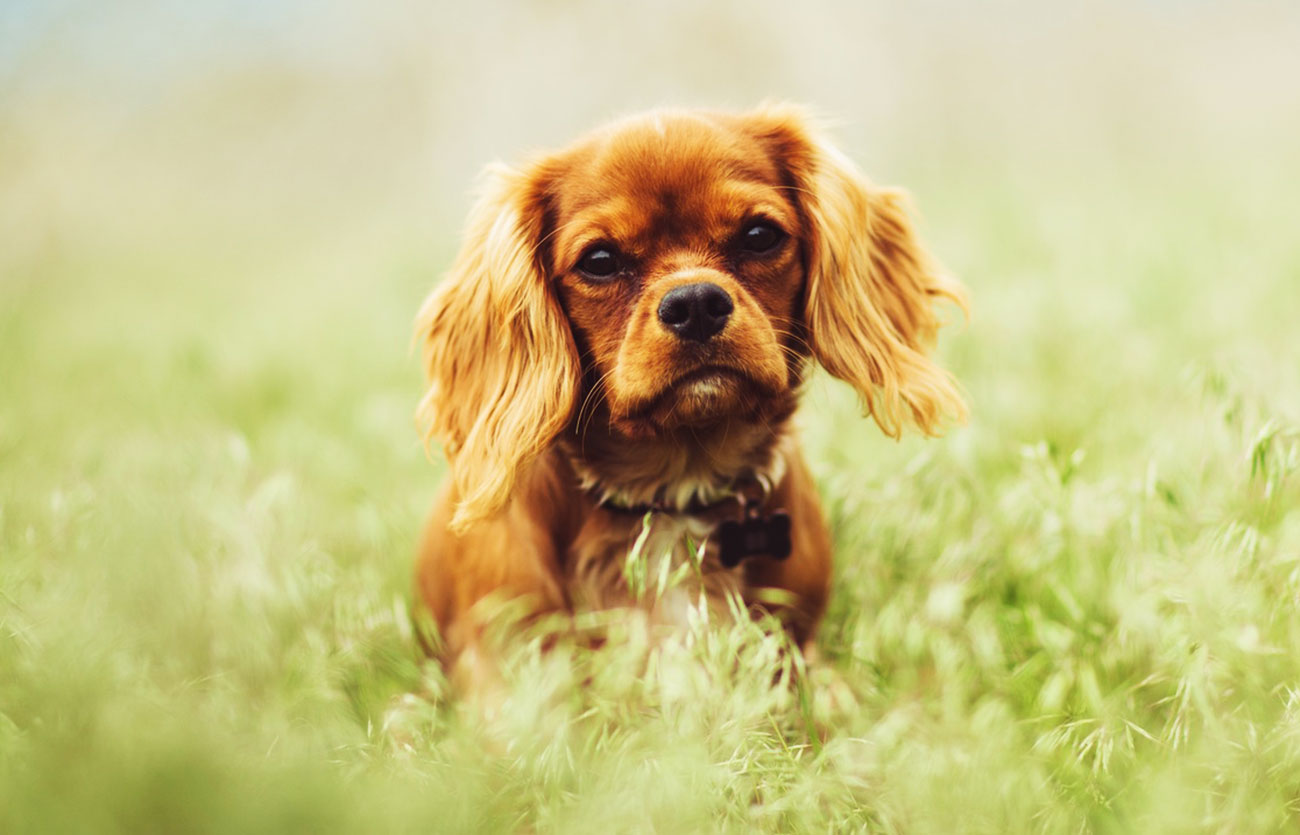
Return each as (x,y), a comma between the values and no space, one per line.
(619,347)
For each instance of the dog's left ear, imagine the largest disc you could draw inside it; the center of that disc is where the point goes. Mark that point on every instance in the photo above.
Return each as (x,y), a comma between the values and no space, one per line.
(871,286)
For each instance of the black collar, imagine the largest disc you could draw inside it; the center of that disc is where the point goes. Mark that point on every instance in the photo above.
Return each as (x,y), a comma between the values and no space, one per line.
(694,507)
(748,493)
(751,531)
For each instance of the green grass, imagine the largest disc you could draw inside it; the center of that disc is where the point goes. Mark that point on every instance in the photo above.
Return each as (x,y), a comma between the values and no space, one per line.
(1078,613)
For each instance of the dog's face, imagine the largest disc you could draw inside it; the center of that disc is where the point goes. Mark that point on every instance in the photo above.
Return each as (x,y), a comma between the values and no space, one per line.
(676,252)
(672,273)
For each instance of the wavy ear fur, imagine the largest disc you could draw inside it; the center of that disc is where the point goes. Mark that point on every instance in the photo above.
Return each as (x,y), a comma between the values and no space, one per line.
(502,367)
(871,291)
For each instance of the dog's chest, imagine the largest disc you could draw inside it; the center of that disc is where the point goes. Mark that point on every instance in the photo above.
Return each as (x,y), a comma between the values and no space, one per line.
(665,565)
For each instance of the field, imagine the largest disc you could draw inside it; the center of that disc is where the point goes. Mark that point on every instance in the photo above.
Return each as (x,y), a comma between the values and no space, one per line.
(1078,613)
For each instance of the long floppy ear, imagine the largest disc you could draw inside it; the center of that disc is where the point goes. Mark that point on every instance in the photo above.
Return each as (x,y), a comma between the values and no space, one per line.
(871,291)
(502,367)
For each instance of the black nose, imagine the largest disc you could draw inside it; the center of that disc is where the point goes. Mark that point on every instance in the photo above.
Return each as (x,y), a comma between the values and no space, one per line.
(695,311)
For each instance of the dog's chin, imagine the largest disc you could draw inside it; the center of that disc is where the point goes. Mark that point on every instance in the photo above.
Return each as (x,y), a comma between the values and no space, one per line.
(700,399)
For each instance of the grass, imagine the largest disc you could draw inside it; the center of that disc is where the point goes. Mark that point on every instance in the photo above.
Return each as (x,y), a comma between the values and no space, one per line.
(1079,613)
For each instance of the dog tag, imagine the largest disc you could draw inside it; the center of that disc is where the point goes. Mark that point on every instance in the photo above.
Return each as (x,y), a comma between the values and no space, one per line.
(754,536)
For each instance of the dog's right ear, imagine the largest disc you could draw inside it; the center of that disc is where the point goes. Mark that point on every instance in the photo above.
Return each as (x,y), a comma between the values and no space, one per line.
(872,288)
(502,367)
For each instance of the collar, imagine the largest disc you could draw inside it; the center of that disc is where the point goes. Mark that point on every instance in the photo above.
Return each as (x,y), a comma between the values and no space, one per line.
(751,530)
(749,493)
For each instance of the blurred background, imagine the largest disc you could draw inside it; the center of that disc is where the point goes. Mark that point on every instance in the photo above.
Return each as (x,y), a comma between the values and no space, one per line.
(218,218)
(341,141)
(285,162)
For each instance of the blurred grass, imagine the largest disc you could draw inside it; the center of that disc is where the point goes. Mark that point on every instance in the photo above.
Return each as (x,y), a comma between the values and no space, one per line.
(1079,613)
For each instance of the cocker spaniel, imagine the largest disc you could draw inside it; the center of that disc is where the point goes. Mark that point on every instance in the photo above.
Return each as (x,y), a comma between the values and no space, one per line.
(616,354)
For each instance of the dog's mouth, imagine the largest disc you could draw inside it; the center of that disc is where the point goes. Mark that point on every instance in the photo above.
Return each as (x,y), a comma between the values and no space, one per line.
(702,380)
(704,393)
(705,376)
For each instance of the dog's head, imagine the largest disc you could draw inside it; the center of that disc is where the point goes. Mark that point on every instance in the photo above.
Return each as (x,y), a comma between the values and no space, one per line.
(668,273)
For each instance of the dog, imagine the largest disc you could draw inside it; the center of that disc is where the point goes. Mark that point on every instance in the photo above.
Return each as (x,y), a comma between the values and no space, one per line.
(616,354)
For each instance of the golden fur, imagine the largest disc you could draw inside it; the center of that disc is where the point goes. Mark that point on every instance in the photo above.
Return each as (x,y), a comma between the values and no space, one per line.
(552,391)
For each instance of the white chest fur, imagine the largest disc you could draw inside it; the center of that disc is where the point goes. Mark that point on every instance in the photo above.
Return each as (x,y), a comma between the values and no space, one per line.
(662,565)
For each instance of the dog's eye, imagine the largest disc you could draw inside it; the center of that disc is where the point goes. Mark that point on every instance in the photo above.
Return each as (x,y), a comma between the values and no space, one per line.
(599,262)
(760,237)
